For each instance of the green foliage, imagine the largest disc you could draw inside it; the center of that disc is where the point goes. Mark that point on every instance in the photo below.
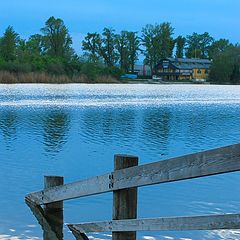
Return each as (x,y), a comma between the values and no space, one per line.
(158,42)
(123,51)
(50,54)
(8,44)
(73,67)
(16,67)
(112,71)
(180,46)
(39,63)
(226,66)
(133,48)
(91,70)
(198,45)
(55,66)
(128,47)
(34,45)
(166,39)
(2,64)
(102,46)
(56,39)
(91,45)
(107,48)
(218,47)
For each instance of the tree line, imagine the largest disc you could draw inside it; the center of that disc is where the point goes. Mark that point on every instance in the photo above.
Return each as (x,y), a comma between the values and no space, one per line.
(110,53)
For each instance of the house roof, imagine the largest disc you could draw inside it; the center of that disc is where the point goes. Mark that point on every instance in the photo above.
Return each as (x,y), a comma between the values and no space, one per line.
(190,63)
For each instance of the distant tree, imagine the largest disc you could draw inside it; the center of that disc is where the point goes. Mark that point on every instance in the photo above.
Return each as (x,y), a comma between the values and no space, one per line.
(122,50)
(107,48)
(158,42)
(133,48)
(218,47)
(226,66)
(21,52)
(149,42)
(30,52)
(193,49)
(166,39)
(198,45)
(235,76)
(206,42)
(56,39)
(8,44)
(180,46)
(35,44)
(127,46)
(91,45)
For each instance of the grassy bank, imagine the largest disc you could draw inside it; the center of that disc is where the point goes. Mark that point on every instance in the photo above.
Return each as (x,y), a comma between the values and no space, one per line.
(42,77)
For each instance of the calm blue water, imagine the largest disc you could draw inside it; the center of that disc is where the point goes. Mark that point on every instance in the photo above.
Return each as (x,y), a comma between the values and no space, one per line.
(75,130)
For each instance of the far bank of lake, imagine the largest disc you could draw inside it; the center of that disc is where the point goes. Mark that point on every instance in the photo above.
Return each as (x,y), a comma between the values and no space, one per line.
(44,78)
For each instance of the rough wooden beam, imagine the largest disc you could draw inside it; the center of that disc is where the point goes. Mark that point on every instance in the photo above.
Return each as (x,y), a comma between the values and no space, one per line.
(211,162)
(217,161)
(92,186)
(78,235)
(124,200)
(38,212)
(208,222)
(54,211)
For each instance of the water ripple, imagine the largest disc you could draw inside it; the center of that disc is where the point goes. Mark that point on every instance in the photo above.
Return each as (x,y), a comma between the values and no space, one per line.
(74,130)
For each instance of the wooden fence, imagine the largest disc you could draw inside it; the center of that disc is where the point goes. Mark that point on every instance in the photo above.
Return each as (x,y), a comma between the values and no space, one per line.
(123,182)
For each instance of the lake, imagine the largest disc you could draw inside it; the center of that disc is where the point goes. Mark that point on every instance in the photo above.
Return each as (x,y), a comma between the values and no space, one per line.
(74,131)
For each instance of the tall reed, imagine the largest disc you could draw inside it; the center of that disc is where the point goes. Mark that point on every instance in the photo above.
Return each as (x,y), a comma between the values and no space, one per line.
(41,77)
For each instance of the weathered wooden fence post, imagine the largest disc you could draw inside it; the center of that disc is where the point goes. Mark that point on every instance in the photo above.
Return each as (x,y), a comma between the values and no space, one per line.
(124,201)
(54,211)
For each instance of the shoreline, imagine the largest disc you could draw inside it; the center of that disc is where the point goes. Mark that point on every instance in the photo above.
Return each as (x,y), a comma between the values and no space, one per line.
(120,83)
(46,78)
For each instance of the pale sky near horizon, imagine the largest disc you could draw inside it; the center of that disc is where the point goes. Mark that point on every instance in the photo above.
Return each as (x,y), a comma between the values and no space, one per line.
(220,18)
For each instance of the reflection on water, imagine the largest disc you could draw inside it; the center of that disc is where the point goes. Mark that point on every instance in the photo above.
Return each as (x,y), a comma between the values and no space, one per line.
(74,131)
(156,127)
(108,125)
(8,125)
(56,126)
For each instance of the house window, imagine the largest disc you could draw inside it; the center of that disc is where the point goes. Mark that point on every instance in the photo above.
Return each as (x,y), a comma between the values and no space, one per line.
(199,71)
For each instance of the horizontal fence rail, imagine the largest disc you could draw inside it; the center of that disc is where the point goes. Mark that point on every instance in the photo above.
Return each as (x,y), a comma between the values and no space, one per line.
(208,222)
(217,161)
(124,182)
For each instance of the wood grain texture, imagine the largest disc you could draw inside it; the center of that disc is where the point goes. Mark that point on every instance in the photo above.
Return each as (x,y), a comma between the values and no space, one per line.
(217,161)
(208,222)
(124,200)
(38,212)
(92,186)
(49,182)
(78,235)
(54,211)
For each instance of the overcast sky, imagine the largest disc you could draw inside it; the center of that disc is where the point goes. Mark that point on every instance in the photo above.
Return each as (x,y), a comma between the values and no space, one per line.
(221,18)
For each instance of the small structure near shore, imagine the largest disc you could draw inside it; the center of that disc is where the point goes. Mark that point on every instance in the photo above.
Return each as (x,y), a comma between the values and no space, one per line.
(175,69)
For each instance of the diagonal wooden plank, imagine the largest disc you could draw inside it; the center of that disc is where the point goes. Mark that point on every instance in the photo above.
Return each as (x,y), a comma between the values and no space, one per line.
(207,222)
(38,212)
(216,161)
(78,235)
(207,163)
(92,186)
